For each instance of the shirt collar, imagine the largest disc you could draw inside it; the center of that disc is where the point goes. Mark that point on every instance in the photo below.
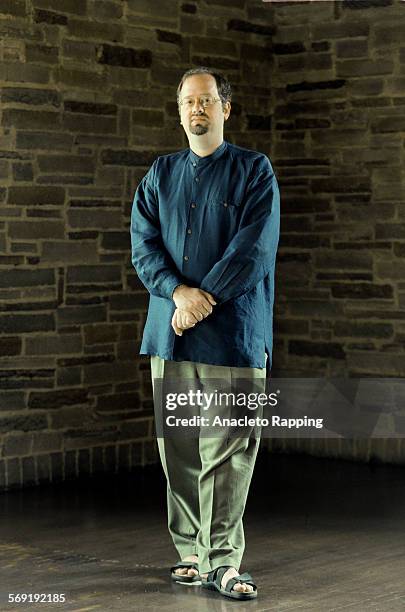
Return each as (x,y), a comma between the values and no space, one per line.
(202,161)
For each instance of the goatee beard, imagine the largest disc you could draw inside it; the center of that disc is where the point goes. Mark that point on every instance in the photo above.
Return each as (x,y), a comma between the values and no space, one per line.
(198,130)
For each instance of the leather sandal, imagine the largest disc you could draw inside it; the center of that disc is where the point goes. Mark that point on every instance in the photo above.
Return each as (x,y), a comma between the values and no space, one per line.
(184,578)
(214,578)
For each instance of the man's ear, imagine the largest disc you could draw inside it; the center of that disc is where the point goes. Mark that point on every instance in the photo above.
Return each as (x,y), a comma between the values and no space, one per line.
(227,110)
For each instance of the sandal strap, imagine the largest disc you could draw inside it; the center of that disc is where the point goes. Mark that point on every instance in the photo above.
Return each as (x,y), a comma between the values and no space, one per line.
(243,578)
(184,564)
(216,574)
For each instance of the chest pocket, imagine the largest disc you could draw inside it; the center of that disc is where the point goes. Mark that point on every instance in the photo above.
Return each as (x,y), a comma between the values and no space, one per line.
(225,204)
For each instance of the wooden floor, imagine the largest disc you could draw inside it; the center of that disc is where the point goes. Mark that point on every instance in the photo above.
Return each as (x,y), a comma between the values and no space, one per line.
(321,536)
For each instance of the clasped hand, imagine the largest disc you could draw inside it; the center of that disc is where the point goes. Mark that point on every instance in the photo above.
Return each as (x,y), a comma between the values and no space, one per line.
(192,306)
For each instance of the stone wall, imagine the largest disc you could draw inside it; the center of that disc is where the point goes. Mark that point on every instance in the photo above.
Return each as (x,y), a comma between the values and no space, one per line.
(338,124)
(87,103)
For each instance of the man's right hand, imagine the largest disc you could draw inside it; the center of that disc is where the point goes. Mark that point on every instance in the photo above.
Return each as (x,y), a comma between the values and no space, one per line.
(195,300)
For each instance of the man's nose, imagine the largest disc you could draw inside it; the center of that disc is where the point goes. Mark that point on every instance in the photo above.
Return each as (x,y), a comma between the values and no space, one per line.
(199,104)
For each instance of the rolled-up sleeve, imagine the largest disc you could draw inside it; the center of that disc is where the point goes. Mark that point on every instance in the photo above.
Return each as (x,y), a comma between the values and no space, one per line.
(251,254)
(150,259)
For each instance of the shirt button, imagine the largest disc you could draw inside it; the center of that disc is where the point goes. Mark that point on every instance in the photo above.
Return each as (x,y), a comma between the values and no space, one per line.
(189,231)
(194,164)
(225,204)
(197,179)
(193,205)
(185,257)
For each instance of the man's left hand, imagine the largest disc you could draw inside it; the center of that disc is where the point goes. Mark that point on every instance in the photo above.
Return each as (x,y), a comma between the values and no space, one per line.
(181,320)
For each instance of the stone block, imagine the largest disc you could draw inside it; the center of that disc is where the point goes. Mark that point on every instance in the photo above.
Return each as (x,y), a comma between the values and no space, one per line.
(349,184)
(13,473)
(99,219)
(66,163)
(43,468)
(248,27)
(50,17)
(22,423)
(105,10)
(109,372)
(361,291)
(28,471)
(36,195)
(44,140)
(19,323)
(26,95)
(76,122)
(36,53)
(110,458)
(96,274)
(359,329)
(389,33)
(91,108)
(160,7)
(150,118)
(365,4)
(23,172)
(57,471)
(128,157)
(169,37)
(387,231)
(220,63)
(76,315)
(68,252)
(214,46)
(388,124)
(16,8)
(115,241)
(46,441)
(124,56)
(389,270)
(17,445)
(258,122)
(36,229)
(377,363)
(191,25)
(315,85)
(187,7)
(332,350)
(351,48)
(83,462)
(10,345)
(19,118)
(364,67)
(346,29)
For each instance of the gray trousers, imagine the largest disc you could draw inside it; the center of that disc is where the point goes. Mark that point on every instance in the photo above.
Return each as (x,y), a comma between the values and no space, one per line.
(208,478)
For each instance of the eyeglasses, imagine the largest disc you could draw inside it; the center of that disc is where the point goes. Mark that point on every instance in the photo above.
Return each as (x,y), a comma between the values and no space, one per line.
(203,101)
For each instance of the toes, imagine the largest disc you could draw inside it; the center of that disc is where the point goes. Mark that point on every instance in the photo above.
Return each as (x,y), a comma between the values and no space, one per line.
(181,571)
(243,588)
(192,572)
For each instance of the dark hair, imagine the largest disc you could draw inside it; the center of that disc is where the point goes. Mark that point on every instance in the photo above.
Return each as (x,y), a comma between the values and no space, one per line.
(223,85)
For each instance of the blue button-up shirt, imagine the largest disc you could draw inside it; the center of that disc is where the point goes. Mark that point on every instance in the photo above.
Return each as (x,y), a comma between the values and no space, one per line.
(210,222)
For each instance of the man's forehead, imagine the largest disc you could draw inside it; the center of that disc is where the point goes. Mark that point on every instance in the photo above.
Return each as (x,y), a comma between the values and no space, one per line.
(199,84)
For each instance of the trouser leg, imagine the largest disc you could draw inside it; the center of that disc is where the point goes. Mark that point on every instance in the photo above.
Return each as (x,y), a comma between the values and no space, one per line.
(227,465)
(208,479)
(181,464)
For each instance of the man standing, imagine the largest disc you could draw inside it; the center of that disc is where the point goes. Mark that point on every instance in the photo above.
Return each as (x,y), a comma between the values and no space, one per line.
(204,231)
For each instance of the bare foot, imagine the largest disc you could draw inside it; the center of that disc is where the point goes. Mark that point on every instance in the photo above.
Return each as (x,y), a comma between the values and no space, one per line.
(187,571)
(240,587)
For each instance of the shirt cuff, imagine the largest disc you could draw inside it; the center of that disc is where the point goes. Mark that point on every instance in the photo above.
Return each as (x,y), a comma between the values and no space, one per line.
(169,285)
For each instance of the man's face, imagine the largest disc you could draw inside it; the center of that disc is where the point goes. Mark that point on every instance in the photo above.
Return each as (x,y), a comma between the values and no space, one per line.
(196,119)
